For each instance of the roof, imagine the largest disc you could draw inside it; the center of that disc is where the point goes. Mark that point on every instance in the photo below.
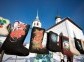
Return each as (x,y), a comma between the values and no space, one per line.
(63,21)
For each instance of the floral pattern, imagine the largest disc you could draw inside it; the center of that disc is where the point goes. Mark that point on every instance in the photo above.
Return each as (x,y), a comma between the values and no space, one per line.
(18,31)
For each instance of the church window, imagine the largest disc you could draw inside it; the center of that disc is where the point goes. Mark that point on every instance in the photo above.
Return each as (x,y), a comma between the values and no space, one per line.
(34,23)
(37,24)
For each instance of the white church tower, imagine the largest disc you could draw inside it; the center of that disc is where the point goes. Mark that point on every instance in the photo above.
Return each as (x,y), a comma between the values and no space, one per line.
(36,22)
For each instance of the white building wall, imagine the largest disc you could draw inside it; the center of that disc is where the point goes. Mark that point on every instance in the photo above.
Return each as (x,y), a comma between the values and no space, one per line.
(61,28)
(74,30)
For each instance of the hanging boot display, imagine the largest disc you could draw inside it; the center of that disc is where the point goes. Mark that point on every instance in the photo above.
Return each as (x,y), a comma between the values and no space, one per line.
(13,44)
(36,41)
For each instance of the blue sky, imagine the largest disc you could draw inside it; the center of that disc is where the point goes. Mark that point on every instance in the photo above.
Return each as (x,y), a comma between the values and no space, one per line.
(25,11)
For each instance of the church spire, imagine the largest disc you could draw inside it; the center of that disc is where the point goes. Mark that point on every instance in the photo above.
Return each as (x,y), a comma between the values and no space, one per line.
(37,17)
(36,22)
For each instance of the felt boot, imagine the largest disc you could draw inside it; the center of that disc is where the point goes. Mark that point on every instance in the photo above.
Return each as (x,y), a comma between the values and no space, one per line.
(13,44)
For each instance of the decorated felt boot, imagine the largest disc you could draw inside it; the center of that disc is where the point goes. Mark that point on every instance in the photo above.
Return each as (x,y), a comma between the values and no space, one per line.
(4,30)
(36,41)
(53,42)
(14,42)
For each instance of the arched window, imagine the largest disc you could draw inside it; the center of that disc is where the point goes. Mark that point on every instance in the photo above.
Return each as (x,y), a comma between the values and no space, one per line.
(34,24)
(37,24)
